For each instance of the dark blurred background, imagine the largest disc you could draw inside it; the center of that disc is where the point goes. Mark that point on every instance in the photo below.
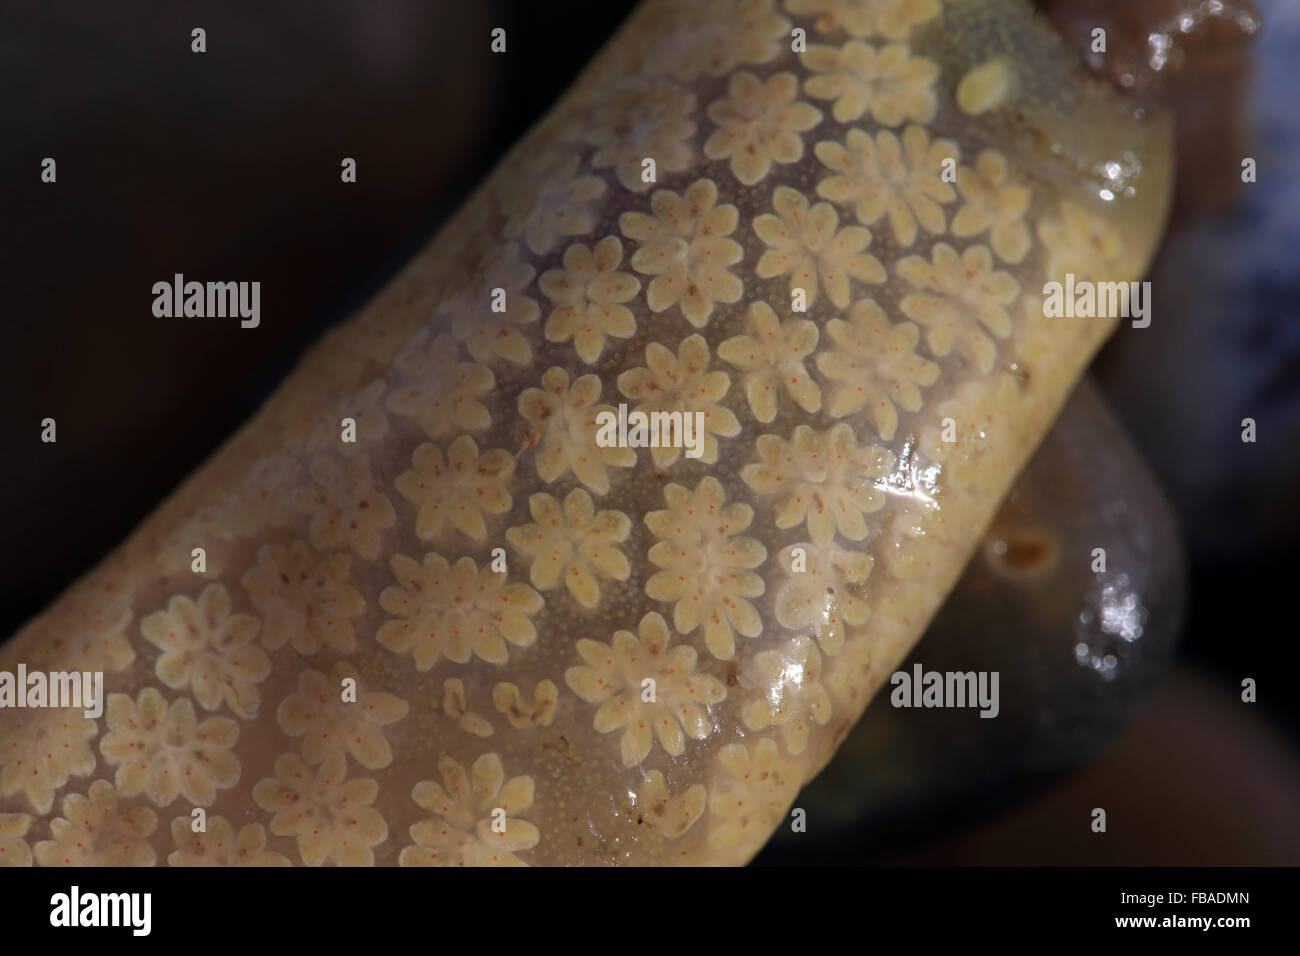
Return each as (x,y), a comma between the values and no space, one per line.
(220,164)
(226,165)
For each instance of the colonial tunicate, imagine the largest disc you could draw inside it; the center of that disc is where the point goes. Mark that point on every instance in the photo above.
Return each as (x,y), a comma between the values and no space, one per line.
(479,635)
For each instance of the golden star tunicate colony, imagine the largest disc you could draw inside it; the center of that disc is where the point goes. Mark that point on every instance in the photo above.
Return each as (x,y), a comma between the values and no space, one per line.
(435,621)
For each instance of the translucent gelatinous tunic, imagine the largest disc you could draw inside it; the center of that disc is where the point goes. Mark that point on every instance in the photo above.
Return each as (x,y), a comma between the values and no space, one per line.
(480,635)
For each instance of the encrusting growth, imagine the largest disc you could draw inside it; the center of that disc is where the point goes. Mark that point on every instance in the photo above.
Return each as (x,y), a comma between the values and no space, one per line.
(480,636)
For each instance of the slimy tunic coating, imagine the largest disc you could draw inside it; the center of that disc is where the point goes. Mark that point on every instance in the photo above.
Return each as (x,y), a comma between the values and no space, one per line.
(435,621)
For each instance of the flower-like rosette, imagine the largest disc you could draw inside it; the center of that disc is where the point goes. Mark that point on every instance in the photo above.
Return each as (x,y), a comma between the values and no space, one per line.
(822,478)
(41,750)
(589,295)
(808,243)
(874,367)
(14,848)
(887,82)
(707,565)
(572,544)
(306,598)
(218,844)
(646,689)
(346,508)
(684,246)
(330,816)
(683,383)
(884,176)
(89,634)
(822,592)
(1081,244)
(454,611)
(961,300)
(749,793)
(759,124)
(994,203)
(772,357)
(638,119)
(457,491)
(164,752)
(331,722)
(564,420)
(96,831)
(788,692)
(545,199)
(476,818)
(495,318)
(913,542)
(209,650)
(442,394)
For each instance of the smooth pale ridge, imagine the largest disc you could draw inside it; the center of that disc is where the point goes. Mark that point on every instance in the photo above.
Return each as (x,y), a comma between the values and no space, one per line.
(498,587)
(984,88)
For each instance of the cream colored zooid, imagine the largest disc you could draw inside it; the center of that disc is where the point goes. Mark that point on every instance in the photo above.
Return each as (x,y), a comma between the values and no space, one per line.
(476,634)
